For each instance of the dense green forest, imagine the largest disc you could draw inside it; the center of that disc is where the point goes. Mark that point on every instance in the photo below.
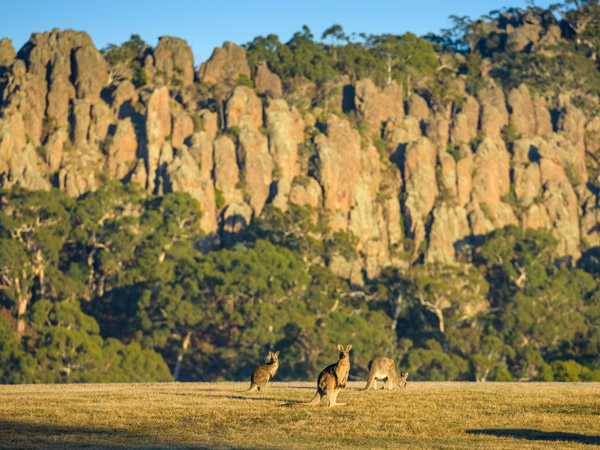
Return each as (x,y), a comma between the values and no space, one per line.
(118,284)
(111,287)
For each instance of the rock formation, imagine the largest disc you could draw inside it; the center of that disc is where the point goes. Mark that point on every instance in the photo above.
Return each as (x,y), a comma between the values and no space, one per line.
(420,182)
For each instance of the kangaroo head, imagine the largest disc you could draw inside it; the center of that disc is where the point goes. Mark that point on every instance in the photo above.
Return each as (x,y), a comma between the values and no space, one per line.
(344,351)
(273,357)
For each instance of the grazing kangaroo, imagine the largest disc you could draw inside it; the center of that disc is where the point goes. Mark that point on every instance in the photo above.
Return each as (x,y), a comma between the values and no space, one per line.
(262,373)
(331,379)
(383,368)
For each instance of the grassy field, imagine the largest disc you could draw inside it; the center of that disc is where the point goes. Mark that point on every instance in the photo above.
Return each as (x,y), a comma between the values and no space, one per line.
(221,416)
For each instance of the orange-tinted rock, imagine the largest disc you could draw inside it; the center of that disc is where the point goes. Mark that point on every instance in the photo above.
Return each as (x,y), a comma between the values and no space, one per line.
(300,92)
(225,65)
(465,122)
(494,115)
(376,105)
(184,175)
(306,192)
(522,114)
(286,134)
(449,230)
(183,127)
(266,82)
(339,165)
(418,107)
(91,73)
(158,127)
(244,109)
(226,171)
(174,57)
(122,153)
(7,52)
(81,122)
(256,168)
(420,184)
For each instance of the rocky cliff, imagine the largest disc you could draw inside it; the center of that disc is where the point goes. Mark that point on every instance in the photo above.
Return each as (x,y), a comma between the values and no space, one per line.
(410,178)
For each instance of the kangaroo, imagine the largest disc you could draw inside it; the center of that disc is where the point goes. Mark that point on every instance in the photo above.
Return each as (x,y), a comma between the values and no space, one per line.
(331,379)
(262,373)
(383,368)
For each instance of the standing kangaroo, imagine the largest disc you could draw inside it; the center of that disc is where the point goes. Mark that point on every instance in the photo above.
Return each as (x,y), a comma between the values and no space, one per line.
(331,379)
(383,368)
(262,373)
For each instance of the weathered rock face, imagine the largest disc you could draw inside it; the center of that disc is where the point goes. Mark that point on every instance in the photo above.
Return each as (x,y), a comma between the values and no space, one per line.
(7,52)
(244,109)
(449,232)
(437,174)
(420,186)
(377,106)
(122,151)
(225,65)
(286,134)
(158,127)
(339,160)
(184,174)
(465,123)
(226,171)
(522,115)
(256,168)
(266,82)
(494,114)
(174,58)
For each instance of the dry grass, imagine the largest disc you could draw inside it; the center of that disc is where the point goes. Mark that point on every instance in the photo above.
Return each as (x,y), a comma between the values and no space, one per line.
(220,415)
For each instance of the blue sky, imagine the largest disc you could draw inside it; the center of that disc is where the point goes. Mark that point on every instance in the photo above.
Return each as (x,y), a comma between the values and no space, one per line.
(207,24)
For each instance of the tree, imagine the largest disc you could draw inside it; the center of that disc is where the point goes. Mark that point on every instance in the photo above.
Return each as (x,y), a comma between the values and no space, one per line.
(33,225)
(336,34)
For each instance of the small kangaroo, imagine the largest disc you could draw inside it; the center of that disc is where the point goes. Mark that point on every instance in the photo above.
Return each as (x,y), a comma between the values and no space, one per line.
(383,368)
(262,373)
(331,380)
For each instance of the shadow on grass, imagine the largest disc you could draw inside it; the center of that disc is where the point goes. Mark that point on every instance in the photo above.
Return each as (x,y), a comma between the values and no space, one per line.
(537,435)
(24,435)
(239,397)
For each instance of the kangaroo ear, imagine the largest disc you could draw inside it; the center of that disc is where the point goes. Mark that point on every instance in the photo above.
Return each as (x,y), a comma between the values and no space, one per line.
(276,353)
(340,347)
(270,354)
(406,375)
(348,348)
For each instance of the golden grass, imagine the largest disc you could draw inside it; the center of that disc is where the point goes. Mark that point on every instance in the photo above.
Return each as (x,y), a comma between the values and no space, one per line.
(221,416)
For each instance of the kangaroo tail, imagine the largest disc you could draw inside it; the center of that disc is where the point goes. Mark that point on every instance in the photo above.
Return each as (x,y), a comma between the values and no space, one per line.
(369,383)
(315,401)
(252,387)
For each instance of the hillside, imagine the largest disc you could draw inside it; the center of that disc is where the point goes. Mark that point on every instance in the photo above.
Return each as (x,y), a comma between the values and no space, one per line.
(437,185)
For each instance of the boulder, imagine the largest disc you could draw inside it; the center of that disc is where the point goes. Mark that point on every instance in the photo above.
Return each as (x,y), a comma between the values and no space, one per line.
(266,82)
(244,109)
(225,65)
(174,58)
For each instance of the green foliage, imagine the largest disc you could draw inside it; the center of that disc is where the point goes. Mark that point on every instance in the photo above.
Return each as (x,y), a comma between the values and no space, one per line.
(383,58)
(140,77)
(245,80)
(198,123)
(219,199)
(510,134)
(128,54)
(455,152)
